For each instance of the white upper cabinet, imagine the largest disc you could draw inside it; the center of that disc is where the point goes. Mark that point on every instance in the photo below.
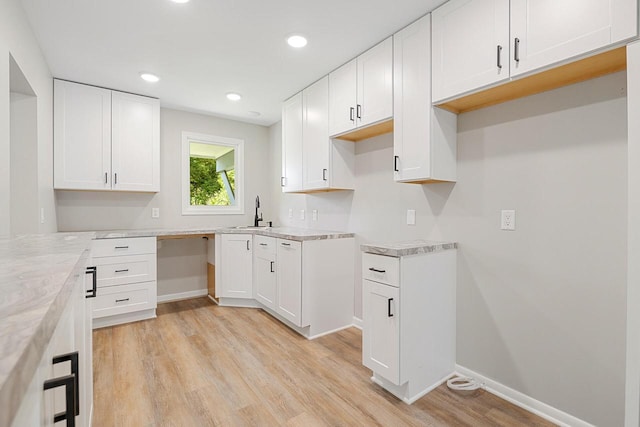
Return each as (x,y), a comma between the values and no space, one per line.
(424,137)
(550,31)
(291,179)
(105,140)
(470,46)
(315,135)
(342,98)
(361,91)
(82,137)
(135,142)
(311,161)
(478,43)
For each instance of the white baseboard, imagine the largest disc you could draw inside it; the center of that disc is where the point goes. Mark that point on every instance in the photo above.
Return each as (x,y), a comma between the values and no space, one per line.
(322,334)
(541,409)
(118,319)
(357,322)
(182,295)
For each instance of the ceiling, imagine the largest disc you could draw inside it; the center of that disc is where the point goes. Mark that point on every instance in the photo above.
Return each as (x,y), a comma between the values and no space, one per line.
(206,48)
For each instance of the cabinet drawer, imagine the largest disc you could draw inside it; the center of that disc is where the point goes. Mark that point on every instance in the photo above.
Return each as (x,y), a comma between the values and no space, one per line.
(264,245)
(122,270)
(380,268)
(128,246)
(121,299)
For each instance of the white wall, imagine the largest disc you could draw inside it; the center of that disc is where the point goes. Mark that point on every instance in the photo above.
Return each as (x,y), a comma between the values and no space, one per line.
(17,40)
(541,309)
(93,210)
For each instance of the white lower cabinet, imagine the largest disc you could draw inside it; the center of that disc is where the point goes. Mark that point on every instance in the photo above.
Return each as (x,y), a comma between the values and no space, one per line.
(264,264)
(65,363)
(126,280)
(308,285)
(408,334)
(234,266)
(289,279)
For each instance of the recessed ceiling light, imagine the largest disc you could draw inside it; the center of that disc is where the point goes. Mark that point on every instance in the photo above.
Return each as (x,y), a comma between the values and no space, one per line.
(148,77)
(180,1)
(297,41)
(254,113)
(232,96)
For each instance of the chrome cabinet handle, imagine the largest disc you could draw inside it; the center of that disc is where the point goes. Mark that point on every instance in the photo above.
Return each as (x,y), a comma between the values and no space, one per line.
(499,56)
(351,110)
(516,49)
(359,111)
(324,174)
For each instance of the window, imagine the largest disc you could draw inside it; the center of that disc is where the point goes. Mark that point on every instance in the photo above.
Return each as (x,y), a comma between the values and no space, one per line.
(212,174)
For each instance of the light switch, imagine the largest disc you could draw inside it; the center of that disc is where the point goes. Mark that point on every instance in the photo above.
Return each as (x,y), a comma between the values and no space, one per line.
(290,213)
(411,217)
(155,212)
(314,214)
(302,214)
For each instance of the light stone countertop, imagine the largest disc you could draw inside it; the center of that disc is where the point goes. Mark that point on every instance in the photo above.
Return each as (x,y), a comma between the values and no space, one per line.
(290,233)
(412,247)
(36,281)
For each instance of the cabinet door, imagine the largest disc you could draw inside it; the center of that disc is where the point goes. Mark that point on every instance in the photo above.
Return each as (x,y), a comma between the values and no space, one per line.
(380,331)
(375,84)
(551,31)
(236,266)
(412,101)
(315,135)
(470,46)
(289,277)
(292,144)
(342,98)
(135,143)
(265,271)
(81,137)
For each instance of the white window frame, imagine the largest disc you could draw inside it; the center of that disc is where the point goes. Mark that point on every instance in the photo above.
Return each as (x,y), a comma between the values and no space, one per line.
(238,145)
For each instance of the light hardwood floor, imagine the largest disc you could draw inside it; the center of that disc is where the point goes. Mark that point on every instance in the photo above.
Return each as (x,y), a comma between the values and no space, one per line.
(198,364)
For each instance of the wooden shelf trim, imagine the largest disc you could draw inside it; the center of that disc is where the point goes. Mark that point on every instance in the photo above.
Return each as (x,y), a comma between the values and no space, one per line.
(584,69)
(359,134)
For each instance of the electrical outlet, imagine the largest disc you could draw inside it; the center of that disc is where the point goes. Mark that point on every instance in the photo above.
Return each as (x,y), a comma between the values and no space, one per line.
(302,214)
(411,217)
(290,213)
(508,220)
(314,214)
(155,212)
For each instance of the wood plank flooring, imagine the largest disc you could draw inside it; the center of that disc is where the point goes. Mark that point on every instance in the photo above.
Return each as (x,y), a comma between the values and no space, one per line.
(199,364)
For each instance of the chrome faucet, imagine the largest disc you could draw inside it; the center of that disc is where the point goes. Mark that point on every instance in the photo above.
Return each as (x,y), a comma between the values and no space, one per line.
(256,219)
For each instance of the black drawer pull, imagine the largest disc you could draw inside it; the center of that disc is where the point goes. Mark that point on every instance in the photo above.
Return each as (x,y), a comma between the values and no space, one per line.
(122,271)
(68,381)
(72,389)
(263,244)
(516,49)
(351,110)
(285,244)
(122,300)
(122,247)
(272,270)
(389,313)
(94,288)
(376,270)
(395,163)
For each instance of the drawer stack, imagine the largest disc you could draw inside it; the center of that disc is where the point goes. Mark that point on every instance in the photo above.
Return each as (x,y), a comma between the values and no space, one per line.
(127,280)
